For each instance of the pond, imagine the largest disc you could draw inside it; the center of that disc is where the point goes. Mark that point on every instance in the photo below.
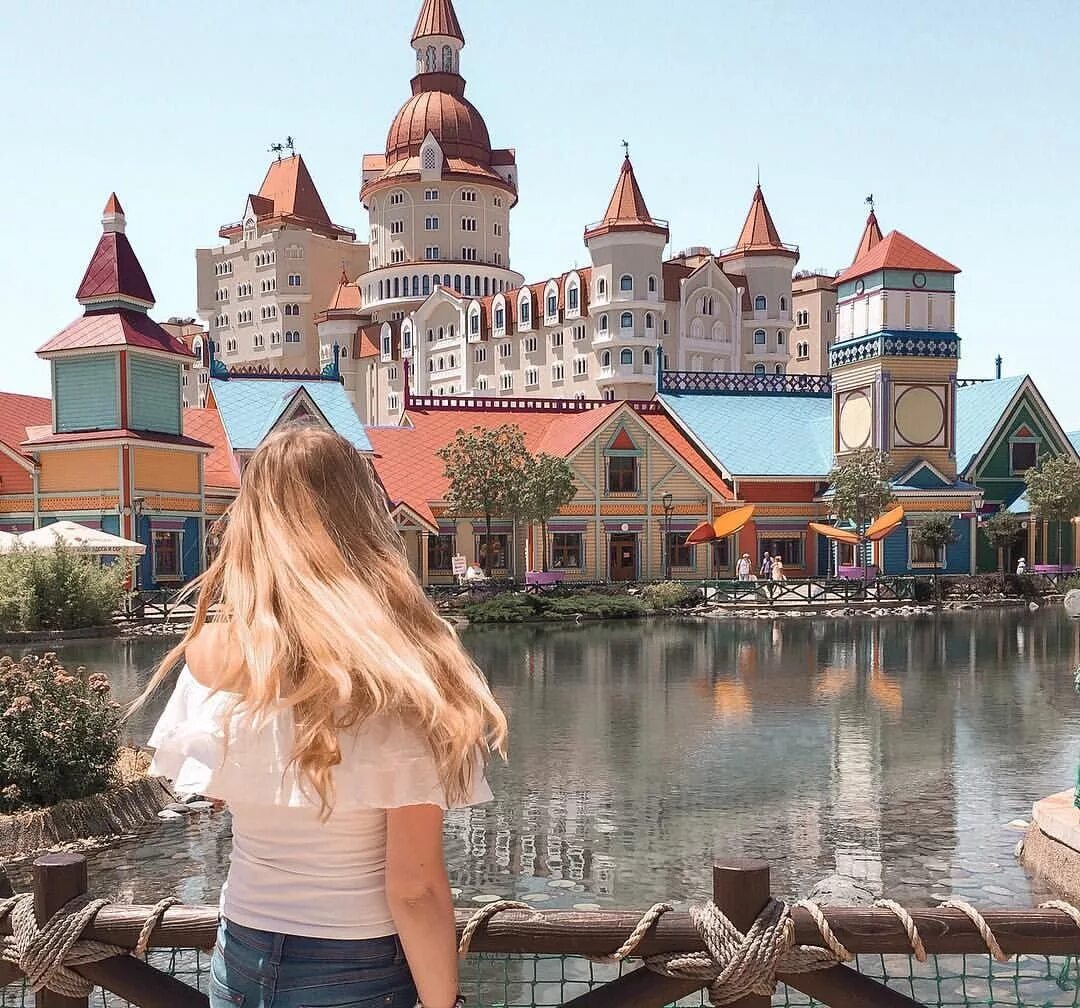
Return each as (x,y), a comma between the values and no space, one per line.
(892,751)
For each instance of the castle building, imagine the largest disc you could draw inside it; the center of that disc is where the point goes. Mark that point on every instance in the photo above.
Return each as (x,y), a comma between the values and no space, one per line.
(813,302)
(259,292)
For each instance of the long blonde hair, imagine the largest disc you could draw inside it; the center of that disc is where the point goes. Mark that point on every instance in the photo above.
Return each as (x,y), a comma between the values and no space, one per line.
(313,584)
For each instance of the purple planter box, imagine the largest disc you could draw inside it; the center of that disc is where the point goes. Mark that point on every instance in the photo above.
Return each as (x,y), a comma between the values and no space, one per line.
(543,579)
(857,573)
(1054,569)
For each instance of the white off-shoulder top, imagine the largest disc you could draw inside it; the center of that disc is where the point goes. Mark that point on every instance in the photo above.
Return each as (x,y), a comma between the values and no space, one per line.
(291,872)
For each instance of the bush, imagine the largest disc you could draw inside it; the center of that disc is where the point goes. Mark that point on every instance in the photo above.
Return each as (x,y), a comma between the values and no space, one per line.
(59,733)
(57,590)
(525,608)
(668,595)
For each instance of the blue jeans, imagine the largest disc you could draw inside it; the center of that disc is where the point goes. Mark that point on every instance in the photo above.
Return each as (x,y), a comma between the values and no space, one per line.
(260,969)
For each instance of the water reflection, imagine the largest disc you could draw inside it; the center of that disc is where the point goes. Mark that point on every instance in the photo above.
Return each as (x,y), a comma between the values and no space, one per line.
(889,751)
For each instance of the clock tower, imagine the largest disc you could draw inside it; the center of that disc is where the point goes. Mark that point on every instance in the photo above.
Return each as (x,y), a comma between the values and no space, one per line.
(894,361)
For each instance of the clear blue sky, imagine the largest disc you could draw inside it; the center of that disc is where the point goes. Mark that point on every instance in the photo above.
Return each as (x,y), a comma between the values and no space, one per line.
(962,119)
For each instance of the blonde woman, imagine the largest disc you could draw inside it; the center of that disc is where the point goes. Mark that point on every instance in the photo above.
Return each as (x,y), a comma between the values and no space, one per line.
(337,716)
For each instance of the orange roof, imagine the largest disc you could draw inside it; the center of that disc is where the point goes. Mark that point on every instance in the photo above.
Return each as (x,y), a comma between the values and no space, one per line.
(437,17)
(346,297)
(113,206)
(897,251)
(627,210)
(413,474)
(366,342)
(17,414)
(870,237)
(219,467)
(759,233)
(289,187)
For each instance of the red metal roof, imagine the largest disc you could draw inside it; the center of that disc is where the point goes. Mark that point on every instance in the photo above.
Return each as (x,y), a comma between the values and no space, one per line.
(219,467)
(438,17)
(113,206)
(114,271)
(870,237)
(439,106)
(897,251)
(627,210)
(289,187)
(42,436)
(115,328)
(759,233)
(17,413)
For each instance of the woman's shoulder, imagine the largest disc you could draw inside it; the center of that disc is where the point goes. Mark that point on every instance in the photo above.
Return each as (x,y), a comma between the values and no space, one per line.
(212,657)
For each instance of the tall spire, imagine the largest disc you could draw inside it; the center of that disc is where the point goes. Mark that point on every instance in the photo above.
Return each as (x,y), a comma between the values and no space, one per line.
(114,272)
(627,210)
(438,18)
(759,233)
(870,237)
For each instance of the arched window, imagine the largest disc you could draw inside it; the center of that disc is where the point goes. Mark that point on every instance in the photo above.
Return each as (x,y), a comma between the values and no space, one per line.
(697,362)
(779,337)
(380,290)
(605,359)
(646,357)
(468,284)
(759,337)
(759,370)
(453,361)
(447,59)
(441,332)
(500,318)
(697,329)
(652,285)
(415,286)
(779,369)
(626,356)
(626,320)
(431,60)
(457,282)
(759,303)
(626,282)
(474,323)
(601,287)
(603,323)
(486,291)
(406,340)
(442,363)
(783,303)
(436,281)
(427,285)
(431,365)
(718,332)
(648,320)
(451,332)
(572,297)
(523,311)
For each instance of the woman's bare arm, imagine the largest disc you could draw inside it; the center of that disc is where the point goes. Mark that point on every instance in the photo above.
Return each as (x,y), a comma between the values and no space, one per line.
(418,891)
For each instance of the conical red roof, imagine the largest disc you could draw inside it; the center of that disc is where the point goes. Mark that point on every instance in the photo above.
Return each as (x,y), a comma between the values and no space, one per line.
(437,17)
(289,187)
(114,272)
(870,237)
(113,206)
(759,233)
(897,251)
(627,210)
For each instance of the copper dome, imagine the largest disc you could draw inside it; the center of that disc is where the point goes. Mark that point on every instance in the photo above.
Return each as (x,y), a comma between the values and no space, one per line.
(439,106)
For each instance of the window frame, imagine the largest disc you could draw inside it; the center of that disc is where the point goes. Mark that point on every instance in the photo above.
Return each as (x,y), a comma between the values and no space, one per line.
(1025,443)
(562,547)
(436,548)
(158,573)
(679,555)
(623,474)
(501,542)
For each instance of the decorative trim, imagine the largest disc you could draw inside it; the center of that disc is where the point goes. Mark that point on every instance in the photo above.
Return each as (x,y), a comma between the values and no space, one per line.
(741,383)
(939,345)
(172,503)
(10,506)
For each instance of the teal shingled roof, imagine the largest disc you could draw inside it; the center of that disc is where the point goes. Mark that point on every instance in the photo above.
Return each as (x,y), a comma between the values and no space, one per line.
(978,409)
(250,407)
(759,435)
(1074,437)
(1020,506)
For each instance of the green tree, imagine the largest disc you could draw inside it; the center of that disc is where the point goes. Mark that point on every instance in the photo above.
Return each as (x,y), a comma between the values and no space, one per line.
(1053,491)
(485,468)
(861,491)
(935,532)
(1001,530)
(548,485)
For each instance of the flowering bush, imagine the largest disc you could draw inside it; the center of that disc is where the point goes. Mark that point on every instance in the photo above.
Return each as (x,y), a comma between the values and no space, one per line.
(57,590)
(59,733)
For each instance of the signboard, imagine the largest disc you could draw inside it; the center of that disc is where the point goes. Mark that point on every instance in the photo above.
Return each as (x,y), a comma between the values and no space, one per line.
(459,566)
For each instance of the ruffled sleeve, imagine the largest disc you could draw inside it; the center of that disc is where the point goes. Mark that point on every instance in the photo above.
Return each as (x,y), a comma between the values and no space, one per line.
(391,765)
(188,740)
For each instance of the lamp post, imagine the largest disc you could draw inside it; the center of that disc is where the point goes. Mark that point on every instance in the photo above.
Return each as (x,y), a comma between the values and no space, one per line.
(668,503)
(136,515)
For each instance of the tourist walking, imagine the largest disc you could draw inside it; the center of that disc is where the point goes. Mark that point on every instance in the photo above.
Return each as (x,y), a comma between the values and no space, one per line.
(742,569)
(766,567)
(1021,567)
(778,569)
(337,715)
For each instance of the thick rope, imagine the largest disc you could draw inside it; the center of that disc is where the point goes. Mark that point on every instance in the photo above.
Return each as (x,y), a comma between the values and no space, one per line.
(1066,908)
(981,926)
(918,949)
(832,943)
(157,915)
(635,938)
(482,916)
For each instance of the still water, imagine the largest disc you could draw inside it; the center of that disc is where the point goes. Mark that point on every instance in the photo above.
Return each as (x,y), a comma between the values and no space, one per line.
(891,751)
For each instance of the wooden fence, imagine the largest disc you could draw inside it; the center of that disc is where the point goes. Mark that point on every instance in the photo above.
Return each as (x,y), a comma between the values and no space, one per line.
(741,890)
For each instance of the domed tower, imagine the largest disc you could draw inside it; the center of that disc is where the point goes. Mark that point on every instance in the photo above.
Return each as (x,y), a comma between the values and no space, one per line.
(439,198)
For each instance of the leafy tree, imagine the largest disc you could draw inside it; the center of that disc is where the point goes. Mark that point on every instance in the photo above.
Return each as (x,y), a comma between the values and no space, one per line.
(485,468)
(547,485)
(1001,530)
(861,491)
(1053,490)
(934,532)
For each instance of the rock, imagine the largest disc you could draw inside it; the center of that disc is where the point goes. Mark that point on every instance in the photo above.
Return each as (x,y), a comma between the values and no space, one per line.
(1018,824)
(200,806)
(1019,852)
(180,808)
(1033,606)
(169,814)
(838,890)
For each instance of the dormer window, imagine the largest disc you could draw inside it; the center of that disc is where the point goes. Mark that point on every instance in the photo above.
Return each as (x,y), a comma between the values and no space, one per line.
(500,319)
(474,323)
(552,306)
(523,311)
(572,297)
(249,229)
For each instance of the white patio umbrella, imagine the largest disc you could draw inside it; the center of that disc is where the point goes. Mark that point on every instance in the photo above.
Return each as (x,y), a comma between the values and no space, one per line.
(7,541)
(80,539)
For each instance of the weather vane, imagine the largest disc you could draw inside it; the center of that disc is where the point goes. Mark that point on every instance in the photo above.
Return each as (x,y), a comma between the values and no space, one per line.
(626,147)
(278,149)
(870,202)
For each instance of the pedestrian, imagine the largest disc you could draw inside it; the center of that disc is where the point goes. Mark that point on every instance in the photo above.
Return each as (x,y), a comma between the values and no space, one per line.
(778,569)
(766,567)
(1021,567)
(742,570)
(337,716)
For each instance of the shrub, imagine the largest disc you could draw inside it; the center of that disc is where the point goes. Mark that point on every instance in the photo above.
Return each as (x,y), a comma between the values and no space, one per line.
(59,733)
(524,608)
(57,590)
(508,608)
(667,595)
(590,605)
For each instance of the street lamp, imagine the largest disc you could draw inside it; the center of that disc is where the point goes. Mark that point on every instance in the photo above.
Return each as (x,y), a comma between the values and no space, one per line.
(668,503)
(136,515)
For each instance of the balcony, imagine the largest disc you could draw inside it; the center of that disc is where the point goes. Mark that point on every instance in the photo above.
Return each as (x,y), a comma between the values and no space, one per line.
(623,372)
(603,337)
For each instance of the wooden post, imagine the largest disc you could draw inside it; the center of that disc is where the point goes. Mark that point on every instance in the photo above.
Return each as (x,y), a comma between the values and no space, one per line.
(741,891)
(58,879)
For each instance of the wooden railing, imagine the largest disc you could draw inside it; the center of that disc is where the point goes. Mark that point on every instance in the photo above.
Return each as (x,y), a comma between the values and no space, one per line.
(741,890)
(812,591)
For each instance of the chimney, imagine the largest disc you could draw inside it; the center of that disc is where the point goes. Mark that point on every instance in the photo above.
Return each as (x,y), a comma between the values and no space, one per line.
(997,366)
